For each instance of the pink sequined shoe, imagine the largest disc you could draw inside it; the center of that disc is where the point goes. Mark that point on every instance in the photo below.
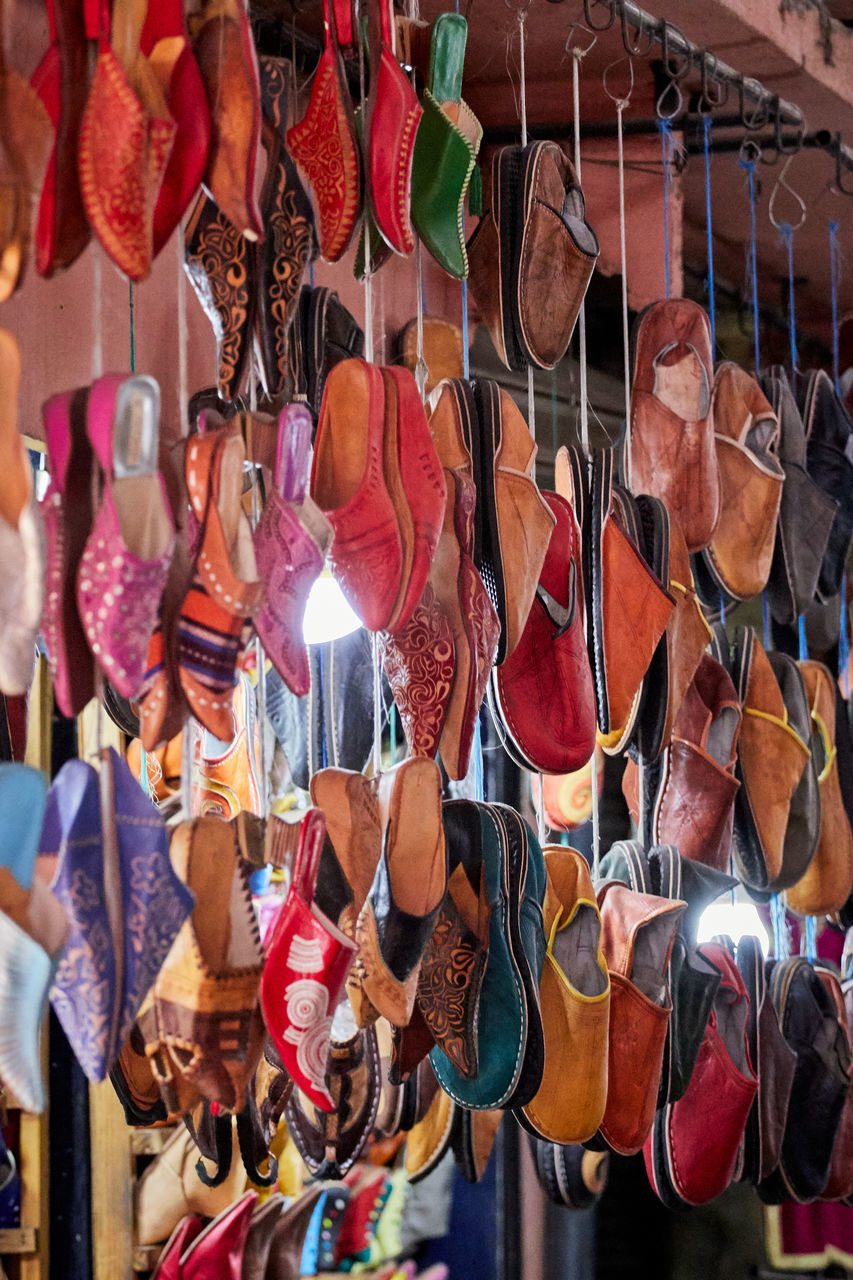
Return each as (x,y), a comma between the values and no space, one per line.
(126,560)
(291,542)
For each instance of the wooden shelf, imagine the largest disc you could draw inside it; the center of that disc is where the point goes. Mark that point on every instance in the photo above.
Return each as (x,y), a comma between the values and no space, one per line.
(19,1240)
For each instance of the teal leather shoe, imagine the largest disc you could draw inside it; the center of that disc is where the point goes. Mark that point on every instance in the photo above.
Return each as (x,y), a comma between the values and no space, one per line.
(509,1031)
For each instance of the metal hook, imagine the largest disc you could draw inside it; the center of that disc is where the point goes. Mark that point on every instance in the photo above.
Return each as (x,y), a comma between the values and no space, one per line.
(787,148)
(610,5)
(714,91)
(749,154)
(623,98)
(519,9)
(761,114)
(674,69)
(636,50)
(660,111)
(577,50)
(846,191)
(782,183)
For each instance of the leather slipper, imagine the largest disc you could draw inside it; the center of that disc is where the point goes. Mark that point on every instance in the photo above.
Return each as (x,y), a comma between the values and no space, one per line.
(393,116)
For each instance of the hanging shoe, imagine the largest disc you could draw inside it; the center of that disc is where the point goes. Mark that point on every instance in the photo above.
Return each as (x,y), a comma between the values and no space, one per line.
(202,1025)
(170,1190)
(124,565)
(292,539)
(68,517)
(126,137)
(401,909)
(169,1263)
(221,265)
(225,53)
(348,484)
(290,240)
(307,959)
(22,537)
(123,899)
(446,147)
(392,119)
(165,44)
(217,1252)
(325,144)
(225,589)
(26,142)
(62,82)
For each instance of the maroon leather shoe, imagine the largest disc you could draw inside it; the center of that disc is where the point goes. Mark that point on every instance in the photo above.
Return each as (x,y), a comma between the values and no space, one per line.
(541,696)
(169,1263)
(217,1254)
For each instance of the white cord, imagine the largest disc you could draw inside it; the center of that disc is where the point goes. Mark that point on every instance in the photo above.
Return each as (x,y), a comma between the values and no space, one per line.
(182,334)
(596,820)
(577,54)
(620,107)
(97,314)
(377,708)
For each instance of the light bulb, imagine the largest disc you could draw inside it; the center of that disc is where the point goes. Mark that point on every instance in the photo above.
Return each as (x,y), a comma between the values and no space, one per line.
(328,615)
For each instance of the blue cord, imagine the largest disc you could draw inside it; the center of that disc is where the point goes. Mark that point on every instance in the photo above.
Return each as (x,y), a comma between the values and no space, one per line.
(777,919)
(132,336)
(811,939)
(801,628)
(311,271)
(706,125)
(752,264)
(834,275)
(722,609)
(666,150)
(479,787)
(765,615)
(788,236)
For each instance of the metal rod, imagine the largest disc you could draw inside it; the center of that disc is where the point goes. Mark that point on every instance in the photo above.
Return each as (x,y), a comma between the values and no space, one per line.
(821,140)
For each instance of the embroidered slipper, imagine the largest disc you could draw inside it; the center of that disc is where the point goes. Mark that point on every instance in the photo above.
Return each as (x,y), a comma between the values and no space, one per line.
(165,45)
(61,80)
(325,144)
(124,902)
(225,52)
(124,566)
(203,1028)
(22,537)
(68,516)
(126,137)
(393,116)
(225,590)
(291,541)
(307,959)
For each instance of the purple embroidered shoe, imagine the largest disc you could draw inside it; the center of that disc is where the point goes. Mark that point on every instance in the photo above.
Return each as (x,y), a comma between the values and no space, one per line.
(125,563)
(291,542)
(124,902)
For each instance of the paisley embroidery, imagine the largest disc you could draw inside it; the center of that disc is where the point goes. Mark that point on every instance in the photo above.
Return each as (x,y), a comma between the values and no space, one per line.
(123,157)
(218,266)
(419,661)
(449,989)
(324,144)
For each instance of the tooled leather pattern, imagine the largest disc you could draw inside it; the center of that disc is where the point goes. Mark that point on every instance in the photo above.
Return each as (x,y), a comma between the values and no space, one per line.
(289,562)
(286,250)
(323,144)
(449,988)
(218,267)
(419,661)
(123,156)
(391,162)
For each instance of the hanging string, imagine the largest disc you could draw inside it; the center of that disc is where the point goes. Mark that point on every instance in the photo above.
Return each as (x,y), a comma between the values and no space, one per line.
(421,369)
(765,617)
(132,336)
(623,251)
(541,826)
(97,315)
(479,785)
(788,236)
(801,633)
(779,924)
(706,126)
(596,820)
(577,54)
(835,280)
(748,164)
(182,334)
(260,655)
(810,939)
(723,610)
(665,128)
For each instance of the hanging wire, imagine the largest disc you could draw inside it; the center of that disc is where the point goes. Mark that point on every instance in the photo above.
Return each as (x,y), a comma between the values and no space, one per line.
(522,93)
(182,334)
(765,618)
(665,128)
(747,160)
(835,280)
(132,335)
(706,129)
(779,924)
(622,102)
(844,643)
(801,636)
(788,236)
(97,314)
(479,785)
(810,939)
(577,55)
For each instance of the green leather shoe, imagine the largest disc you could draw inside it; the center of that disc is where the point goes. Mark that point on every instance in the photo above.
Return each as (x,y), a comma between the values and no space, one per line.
(446,147)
